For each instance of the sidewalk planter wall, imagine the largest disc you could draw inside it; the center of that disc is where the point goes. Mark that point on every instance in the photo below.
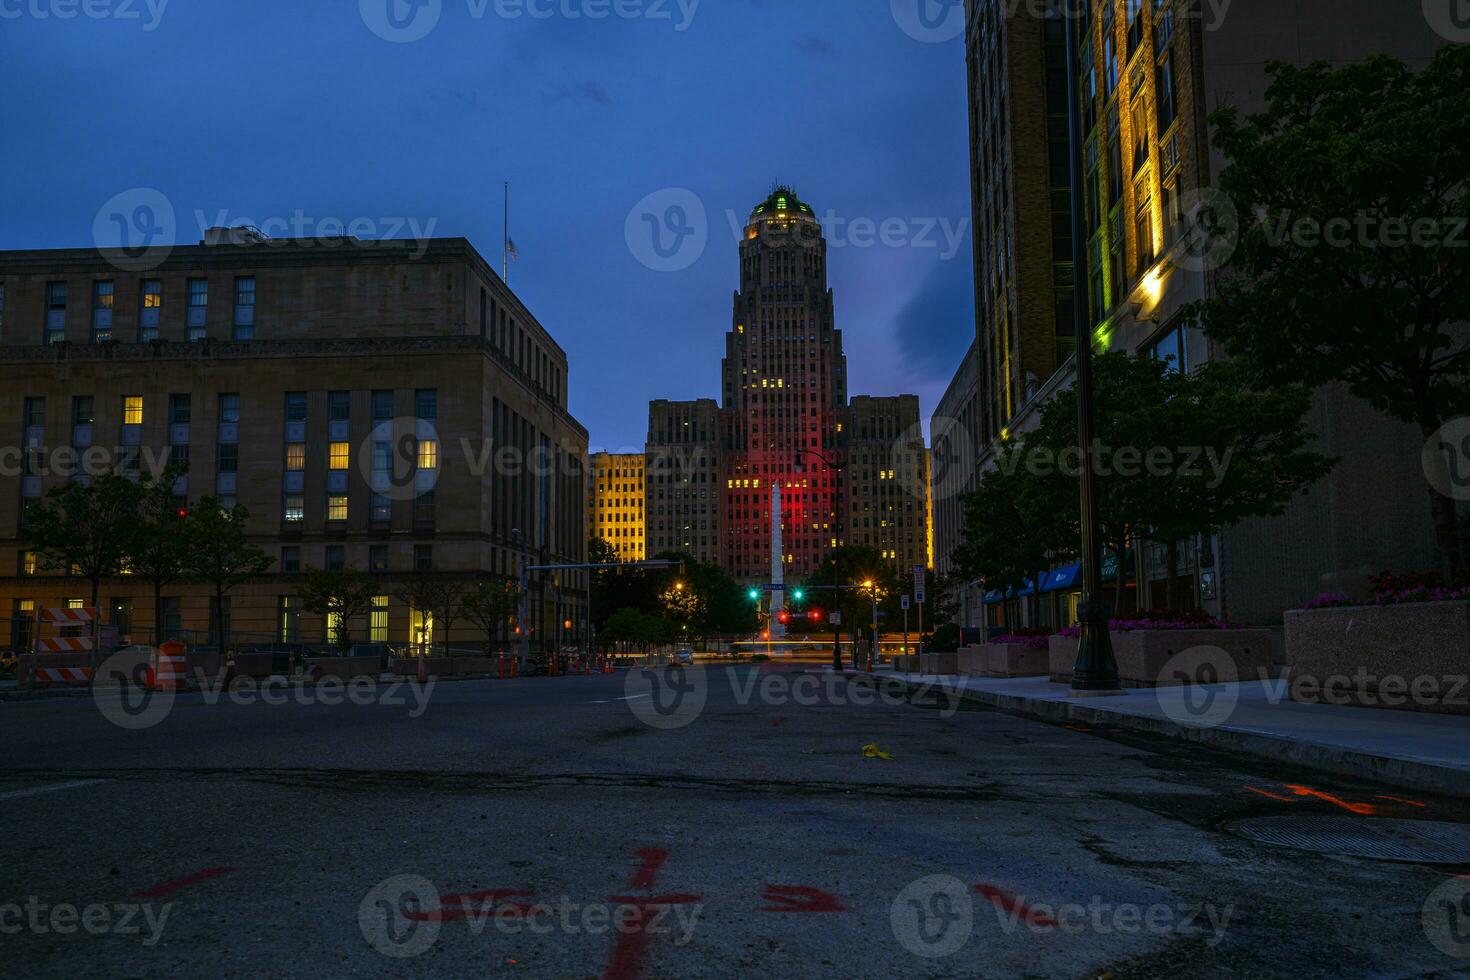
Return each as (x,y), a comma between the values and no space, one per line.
(474,665)
(973,661)
(345,668)
(905,663)
(1142,654)
(941,663)
(1413,655)
(256,665)
(206,664)
(1015,660)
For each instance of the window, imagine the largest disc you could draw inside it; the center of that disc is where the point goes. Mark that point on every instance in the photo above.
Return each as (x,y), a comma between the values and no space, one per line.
(339,406)
(178,456)
(229,457)
(382,405)
(151,292)
(339,454)
(55,312)
(423,508)
(291,558)
(198,307)
(423,557)
(378,620)
(179,409)
(244,307)
(35,412)
(337,507)
(336,558)
(229,408)
(426,403)
(296,456)
(377,557)
(1139,124)
(1143,229)
(382,508)
(28,563)
(102,311)
(288,617)
(132,410)
(428,454)
(2,309)
(295,406)
(295,508)
(81,410)
(1164,86)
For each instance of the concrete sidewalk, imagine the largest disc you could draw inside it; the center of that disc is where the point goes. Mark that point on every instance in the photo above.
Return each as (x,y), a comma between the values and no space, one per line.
(1409,749)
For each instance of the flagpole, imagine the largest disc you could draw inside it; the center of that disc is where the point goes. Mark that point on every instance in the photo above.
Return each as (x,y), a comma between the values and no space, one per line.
(505,238)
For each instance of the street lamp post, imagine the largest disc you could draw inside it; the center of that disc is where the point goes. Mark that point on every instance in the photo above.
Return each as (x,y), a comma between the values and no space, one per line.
(1095,670)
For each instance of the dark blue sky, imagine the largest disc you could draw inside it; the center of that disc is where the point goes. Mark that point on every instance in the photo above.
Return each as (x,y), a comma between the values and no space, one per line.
(277,108)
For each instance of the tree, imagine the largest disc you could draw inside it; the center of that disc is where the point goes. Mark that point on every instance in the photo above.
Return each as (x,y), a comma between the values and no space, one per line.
(848,566)
(159,544)
(339,597)
(439,596)
(85,528)
(491,603)
(1352,265)
(220,554)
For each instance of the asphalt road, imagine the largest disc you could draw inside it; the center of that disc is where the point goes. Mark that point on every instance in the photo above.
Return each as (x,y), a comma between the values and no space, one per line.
(601,826)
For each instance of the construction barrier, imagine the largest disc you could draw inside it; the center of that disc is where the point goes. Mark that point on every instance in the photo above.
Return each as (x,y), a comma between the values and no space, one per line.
(69,617)
(170,670)
(64,644)
(62,675)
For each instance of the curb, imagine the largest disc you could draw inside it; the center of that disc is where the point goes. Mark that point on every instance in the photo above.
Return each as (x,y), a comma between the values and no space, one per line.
(1388,770)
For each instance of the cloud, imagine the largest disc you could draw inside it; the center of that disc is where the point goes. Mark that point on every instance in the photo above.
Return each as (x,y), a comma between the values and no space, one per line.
(935,327)
(815,46)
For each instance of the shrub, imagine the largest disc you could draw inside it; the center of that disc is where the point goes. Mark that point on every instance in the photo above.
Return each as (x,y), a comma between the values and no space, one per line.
(945,639)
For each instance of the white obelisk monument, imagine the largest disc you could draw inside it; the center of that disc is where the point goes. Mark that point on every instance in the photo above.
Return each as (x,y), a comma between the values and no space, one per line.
(778,571)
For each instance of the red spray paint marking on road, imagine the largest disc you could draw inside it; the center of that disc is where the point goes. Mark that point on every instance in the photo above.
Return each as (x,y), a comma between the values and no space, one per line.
(169,887)
(800,898)
(1362,809)
(1274,796)
(631,948)
(1007,902)
(1400,799)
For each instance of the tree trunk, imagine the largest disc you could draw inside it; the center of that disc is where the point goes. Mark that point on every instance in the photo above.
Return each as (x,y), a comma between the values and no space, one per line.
(1171,564)
(219,622)
(95,657)
(157,612)
(1443,509)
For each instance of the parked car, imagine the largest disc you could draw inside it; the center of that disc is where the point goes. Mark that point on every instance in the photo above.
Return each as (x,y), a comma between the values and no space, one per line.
(684,655)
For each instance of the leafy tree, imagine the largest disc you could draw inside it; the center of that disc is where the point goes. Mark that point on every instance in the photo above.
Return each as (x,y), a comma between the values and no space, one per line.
(853,565)
(220,554)
(438,595)
(84,529)
(159,543)
(340,597)
(1352,265)
(491,603)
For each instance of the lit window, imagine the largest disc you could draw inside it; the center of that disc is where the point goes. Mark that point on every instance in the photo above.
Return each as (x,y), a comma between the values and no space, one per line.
(296,456)
(340,454)
(132,410)
(428,454)
(378,624)
(337,507)
(295,508)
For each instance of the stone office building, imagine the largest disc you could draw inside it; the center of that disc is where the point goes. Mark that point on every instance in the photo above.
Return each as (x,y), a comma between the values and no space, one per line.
(615,502)
(387,406)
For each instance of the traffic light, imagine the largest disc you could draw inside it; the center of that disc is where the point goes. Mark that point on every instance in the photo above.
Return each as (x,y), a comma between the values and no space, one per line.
(754,595)
(815,615)
(798,594)
(785,616)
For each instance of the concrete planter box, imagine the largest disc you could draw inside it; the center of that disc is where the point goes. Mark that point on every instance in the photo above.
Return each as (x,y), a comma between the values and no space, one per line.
(476,665)
(1015,660)
(256,665)
(903,663)
(1143,654)
(1414,656)
(974,661)
(344,668)
(941,663)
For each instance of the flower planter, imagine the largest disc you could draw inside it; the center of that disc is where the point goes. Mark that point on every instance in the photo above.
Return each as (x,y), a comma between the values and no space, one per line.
(342,668)
(474,665)
(941,663)
(1144,655)
(1413,656)
(973,661)
(1016,660)
(905,663)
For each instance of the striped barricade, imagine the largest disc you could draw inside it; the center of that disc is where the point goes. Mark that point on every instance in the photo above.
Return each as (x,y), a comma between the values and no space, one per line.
(64,644)
(170,670)
(69,617)
(62,675)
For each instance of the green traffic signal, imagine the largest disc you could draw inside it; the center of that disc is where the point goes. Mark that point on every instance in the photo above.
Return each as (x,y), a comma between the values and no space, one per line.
(754,594)
(798,594)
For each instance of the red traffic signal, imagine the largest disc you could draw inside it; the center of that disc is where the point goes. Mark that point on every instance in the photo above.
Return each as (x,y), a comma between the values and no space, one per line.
(815,615)
(784,617)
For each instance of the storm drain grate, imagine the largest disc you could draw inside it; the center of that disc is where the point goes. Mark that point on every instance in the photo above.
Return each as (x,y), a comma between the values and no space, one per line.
(1380,839)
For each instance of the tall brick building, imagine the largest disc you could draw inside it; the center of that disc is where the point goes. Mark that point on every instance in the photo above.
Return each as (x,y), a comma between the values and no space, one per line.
(785,419)
(615,502)
(290,375)
(1149,73)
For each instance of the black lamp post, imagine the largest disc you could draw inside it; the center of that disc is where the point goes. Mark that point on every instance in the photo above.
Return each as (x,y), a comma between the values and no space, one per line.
(1095,670)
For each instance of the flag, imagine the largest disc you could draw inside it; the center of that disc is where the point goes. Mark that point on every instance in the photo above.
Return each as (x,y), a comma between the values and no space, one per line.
(510,249)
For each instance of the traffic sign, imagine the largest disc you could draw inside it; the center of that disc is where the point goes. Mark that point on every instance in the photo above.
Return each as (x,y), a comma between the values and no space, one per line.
(919,584)
(903,603)
(835,618)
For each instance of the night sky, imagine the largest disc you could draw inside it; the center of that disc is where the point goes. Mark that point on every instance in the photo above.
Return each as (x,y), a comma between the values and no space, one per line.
(287,112)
